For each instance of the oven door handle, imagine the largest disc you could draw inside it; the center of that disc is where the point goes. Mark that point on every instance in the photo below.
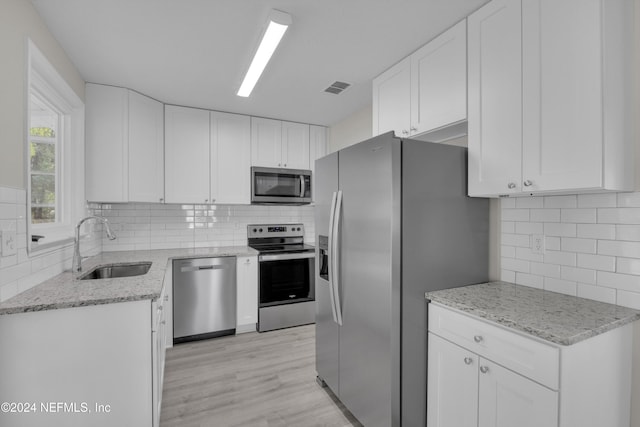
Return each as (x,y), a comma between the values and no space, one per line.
(284,257)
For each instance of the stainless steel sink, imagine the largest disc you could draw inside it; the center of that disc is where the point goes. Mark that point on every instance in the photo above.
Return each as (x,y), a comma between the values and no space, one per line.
(117,270)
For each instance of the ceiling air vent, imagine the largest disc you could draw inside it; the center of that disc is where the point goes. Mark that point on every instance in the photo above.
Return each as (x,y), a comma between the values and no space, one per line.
(337,87)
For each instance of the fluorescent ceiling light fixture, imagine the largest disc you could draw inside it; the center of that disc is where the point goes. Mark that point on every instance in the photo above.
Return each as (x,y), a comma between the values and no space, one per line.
(278,24)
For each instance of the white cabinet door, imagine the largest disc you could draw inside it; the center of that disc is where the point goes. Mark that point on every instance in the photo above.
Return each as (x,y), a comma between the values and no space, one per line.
(392,100)
(562,94)
(495,98)
(508,399)
(146,149)
(266,142)
(230,158)
(295,145)
(186,155)
(106,152)
(439,81)
(452,395)
(247,297)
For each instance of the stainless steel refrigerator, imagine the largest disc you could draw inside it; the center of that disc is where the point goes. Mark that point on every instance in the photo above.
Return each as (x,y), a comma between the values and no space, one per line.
(392,220)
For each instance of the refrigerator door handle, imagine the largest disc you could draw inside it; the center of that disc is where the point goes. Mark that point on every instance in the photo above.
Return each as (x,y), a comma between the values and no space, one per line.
(336,257)
(330,256)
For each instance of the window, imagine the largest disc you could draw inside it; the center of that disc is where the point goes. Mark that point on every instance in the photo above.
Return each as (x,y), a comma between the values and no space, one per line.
(54,153)
(44,155)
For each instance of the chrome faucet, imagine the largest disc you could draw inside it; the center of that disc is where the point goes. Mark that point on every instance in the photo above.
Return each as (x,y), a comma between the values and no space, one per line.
(76,266)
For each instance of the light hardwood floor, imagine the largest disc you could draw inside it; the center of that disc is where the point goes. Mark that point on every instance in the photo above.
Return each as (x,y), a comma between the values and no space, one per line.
(262,380)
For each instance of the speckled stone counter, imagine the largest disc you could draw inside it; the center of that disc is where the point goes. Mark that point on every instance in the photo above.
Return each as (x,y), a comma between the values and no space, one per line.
(65,290)
(554,317)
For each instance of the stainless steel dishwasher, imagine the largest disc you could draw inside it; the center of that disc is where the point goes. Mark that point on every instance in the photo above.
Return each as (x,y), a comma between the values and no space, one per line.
(204,298)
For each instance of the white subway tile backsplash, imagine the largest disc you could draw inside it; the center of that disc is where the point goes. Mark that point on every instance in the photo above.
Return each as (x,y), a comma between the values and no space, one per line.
(545,270)
(619,248)
(508,276)
(561,230)
(545,215)
(517,265)
(597,262)
(529,228)
(552,243)
(619,216)
(624,282)
(629,200)
(570,244)
(604,200)
(508,227)
(527,255)
(508,203)
(628,299)
(582,275)
(519,240)
(627,232)
(579,216)
(529,202)
(598,293)
(628,266)
(596,231)
(560,201)
(508,251)
(560,286)
(530,280)
(515,214)
(560,258)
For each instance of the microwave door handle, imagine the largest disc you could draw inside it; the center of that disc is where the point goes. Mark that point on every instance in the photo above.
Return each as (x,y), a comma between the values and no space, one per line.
(302,186)
(336,257)
(330,257)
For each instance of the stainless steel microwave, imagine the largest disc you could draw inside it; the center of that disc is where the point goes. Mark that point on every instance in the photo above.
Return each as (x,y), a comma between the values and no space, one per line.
(280,186)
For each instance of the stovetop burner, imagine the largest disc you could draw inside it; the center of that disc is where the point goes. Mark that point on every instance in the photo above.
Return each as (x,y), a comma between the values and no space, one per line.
(277,238)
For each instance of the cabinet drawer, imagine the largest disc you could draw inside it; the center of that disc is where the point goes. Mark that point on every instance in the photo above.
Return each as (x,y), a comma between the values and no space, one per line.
(533,359)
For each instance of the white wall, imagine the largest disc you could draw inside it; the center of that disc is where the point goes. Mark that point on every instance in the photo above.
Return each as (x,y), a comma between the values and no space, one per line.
(353,129)
(19,21)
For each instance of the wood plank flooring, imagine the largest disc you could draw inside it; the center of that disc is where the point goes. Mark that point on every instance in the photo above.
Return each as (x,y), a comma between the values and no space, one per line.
(261,380)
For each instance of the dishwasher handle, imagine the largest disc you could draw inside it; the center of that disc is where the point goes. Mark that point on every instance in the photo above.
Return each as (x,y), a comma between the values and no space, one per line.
(190,269)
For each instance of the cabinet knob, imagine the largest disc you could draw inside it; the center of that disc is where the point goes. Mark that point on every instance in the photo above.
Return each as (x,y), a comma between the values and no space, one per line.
(206,200)
(285,165)
(166,297)
(414,129)
(161,199)
(160,308)
(484,369)
(511,185)
(528,183)
(164,322)
(468,360)
(279,165)
(247,261)
(478,339)
(405,132)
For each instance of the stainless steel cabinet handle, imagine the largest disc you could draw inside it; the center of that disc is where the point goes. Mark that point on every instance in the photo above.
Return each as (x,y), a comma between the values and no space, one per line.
(478,338)
(528,183)
(206,200)
(511,185)
(405,132)
(484,369)
(161,199)
(468,360)
(414,129)
(166,297)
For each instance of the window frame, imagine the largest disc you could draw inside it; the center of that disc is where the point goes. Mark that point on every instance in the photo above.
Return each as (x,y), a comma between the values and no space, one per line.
(47,84)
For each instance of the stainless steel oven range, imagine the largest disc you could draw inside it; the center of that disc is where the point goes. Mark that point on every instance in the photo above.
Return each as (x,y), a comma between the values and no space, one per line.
(286,275)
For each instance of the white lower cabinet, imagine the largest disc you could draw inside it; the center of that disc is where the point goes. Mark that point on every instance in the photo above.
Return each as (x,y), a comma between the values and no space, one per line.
(484,375)
(247,297)
(98,365)
(159,345)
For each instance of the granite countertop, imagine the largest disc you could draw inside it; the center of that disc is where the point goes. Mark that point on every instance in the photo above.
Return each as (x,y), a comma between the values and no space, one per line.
(65,290)
(554,317)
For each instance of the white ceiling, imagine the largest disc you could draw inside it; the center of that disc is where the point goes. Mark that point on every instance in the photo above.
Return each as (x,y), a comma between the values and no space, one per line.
(195,52)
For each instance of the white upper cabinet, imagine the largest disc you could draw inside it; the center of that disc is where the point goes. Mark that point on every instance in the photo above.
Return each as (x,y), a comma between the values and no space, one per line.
(124,146)
(392,100)
(495,98)
(317,149)
(439,82)
(146,149)
(230,158)
(575,79)
(186,155)
(279,144)
(295,145)
(424,96)
(107,143)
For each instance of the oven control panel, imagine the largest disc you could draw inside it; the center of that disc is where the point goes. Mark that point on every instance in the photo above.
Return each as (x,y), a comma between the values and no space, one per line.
(275,230)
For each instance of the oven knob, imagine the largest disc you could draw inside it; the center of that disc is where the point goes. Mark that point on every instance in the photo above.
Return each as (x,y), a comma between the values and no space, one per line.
(254,230)
(260,230)
(298,228)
